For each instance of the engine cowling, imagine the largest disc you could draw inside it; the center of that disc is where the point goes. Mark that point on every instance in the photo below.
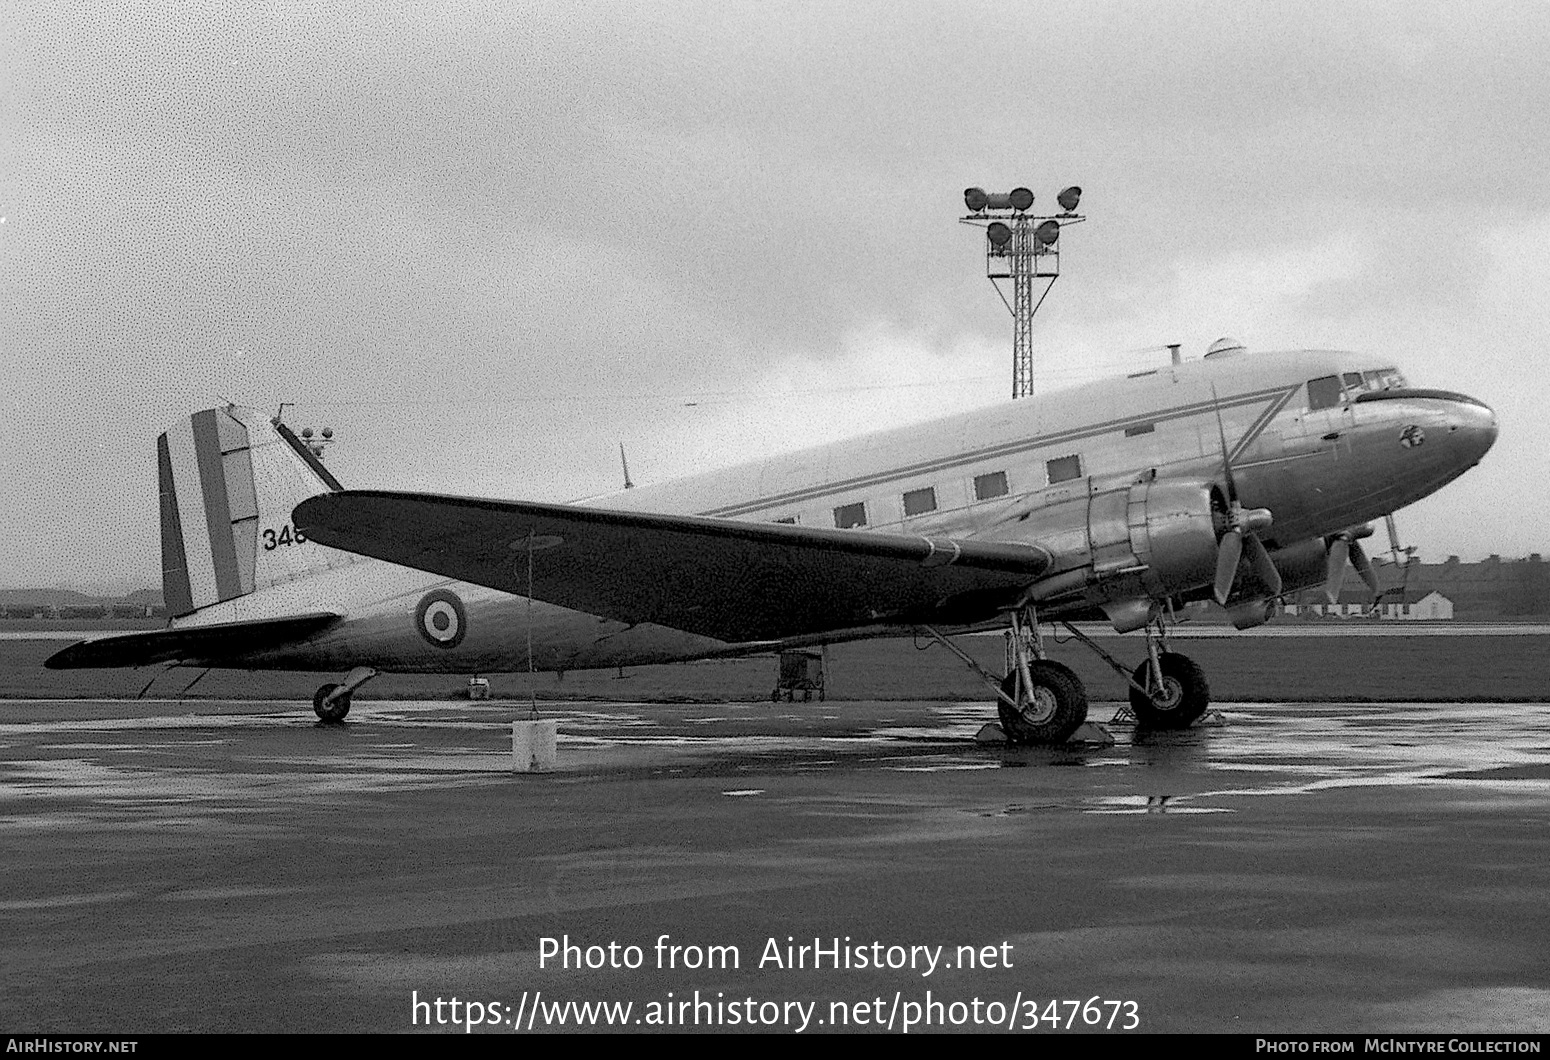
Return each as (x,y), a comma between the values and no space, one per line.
(1129,539)
(1173,528)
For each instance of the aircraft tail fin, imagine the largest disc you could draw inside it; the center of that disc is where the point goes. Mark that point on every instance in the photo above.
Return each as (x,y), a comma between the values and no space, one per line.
(229,478)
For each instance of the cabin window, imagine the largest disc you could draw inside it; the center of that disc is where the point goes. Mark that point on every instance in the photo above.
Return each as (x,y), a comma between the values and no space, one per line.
(1140,428)
(1323,392)
(849,515)
(919,502)
(1064,468)
(787,519)
(991,485)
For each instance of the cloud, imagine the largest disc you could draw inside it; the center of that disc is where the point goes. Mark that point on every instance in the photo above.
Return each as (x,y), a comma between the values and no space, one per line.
(465,233)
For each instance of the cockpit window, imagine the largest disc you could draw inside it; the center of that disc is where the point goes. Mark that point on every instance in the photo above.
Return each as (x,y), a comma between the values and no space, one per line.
(1323,392)
(1384,379)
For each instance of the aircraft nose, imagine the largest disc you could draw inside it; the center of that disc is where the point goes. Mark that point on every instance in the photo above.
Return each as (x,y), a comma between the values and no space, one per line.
(1472,425)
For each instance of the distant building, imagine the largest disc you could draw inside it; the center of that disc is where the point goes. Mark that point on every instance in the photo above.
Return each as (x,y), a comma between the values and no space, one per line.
(1416,605)
(1397,605)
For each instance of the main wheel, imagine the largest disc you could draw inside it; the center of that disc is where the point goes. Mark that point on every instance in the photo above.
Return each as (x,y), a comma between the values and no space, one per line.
(1055,709)
(1184,696)
(330,712)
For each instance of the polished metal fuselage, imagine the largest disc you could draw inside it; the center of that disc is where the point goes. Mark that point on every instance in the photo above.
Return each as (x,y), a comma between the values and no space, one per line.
(1318,471)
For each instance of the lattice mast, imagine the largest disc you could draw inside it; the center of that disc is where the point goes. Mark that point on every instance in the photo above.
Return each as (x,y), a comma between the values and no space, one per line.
(1024,248)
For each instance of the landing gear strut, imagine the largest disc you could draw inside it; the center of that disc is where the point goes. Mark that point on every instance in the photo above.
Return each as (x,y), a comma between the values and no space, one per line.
(1039,700)
(331,702)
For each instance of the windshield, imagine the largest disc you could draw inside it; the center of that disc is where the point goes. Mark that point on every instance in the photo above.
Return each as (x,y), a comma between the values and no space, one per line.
(1328,391)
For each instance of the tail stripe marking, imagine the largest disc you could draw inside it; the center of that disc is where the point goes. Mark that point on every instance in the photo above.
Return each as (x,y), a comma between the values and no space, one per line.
(237,459)
(174,564)
(191,513)
(212,477)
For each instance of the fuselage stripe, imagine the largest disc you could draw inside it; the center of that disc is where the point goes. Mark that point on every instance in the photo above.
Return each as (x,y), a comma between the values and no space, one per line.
(1015,448)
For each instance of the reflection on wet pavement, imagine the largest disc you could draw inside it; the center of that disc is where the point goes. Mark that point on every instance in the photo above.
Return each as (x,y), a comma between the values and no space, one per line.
(246,753)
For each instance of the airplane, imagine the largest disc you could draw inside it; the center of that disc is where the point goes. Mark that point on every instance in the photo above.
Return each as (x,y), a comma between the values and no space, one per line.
(1237,478)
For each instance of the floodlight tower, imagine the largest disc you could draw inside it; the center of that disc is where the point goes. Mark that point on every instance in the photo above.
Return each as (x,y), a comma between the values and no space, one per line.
(1023,248)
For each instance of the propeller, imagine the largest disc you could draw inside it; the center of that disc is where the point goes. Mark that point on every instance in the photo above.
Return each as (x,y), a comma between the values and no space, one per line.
(1342,548)
(1241,533)
(1400,555)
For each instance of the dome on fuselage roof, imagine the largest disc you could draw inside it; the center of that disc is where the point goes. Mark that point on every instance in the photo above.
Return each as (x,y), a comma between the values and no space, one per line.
(1226,347)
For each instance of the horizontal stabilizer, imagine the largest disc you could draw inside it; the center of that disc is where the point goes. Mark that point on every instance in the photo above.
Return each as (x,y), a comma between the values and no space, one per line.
(200,643)
(732,580)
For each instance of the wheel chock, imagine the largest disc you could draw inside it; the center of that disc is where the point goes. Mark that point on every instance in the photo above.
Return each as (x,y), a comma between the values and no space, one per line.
(1088,734)
(990,733)
(1092,734)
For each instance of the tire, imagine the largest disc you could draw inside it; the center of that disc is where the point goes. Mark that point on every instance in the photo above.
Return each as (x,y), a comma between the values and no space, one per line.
(331,713)
(1058,709)
(1186,693)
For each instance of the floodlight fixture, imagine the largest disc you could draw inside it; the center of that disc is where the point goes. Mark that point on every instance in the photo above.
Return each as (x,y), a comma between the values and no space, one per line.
(977,199)
(1022,247)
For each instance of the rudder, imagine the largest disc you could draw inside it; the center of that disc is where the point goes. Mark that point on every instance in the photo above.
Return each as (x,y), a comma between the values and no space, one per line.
(229,478)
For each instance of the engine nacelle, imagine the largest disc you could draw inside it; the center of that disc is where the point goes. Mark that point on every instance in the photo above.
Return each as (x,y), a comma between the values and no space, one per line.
(1173,528)
(1124,540)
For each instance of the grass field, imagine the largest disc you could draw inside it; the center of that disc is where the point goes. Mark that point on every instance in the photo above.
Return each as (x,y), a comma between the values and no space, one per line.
(1333,668)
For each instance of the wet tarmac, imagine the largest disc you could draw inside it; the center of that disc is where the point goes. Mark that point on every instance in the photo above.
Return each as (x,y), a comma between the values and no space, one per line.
(207,866)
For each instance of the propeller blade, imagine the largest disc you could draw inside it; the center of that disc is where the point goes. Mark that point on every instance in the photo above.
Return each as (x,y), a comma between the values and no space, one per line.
(1364,568)
(1228,551)
(1259,555)
(1334,578)
(1232,487)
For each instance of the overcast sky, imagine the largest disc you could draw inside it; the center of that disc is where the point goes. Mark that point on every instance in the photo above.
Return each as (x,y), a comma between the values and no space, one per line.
(488,242)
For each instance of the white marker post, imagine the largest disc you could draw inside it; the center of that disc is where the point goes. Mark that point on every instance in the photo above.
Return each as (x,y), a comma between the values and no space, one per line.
(533,746)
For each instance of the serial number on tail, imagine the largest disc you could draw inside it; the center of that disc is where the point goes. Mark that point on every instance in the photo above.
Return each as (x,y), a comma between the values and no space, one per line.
(286,536)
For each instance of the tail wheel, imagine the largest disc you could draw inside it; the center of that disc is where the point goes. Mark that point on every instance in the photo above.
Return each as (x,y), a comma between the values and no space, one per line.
(1184,695)
(330,712)
(1051,711)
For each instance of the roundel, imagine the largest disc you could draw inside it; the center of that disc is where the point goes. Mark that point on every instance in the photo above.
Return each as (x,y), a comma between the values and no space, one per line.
(441,619)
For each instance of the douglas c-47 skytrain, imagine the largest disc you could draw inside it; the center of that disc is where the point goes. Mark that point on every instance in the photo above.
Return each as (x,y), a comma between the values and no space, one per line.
(1238,477)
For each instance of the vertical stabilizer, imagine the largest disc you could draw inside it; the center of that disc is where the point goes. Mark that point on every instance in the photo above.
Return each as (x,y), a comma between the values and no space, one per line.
(229,479)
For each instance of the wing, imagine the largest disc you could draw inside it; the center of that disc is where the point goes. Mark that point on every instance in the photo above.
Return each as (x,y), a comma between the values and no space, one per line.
(734,581)
(202,643)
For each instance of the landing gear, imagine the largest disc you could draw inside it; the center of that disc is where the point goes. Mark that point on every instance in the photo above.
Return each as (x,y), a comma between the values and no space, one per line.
(1049,708)
(1039,700)
(1168,690)
(329,710)
(331,702)
(1182,696)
